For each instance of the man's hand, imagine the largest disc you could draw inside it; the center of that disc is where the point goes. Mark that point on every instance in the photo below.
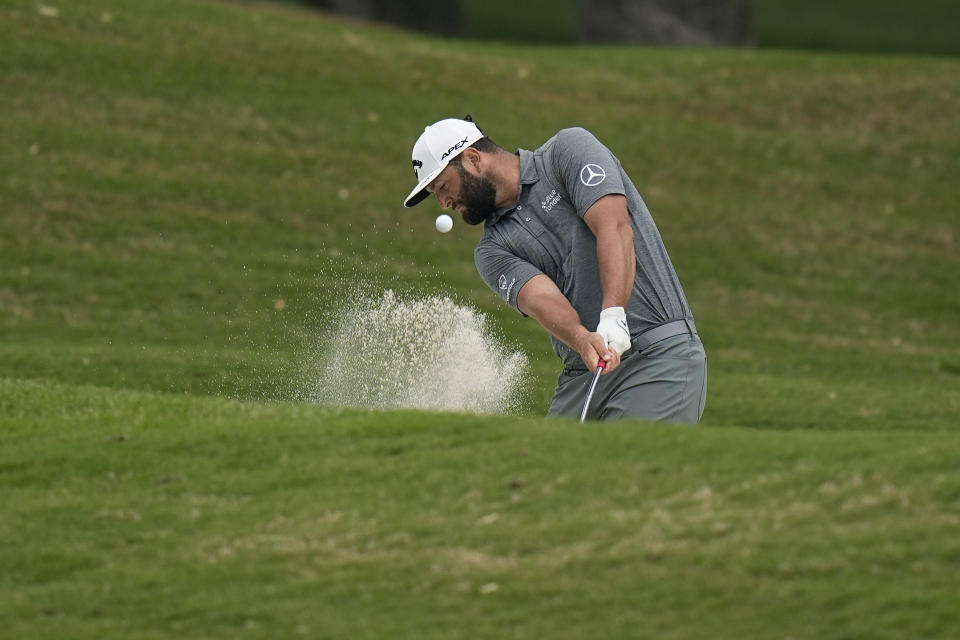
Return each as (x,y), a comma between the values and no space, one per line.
(541,298)
(593,348)
(613,328)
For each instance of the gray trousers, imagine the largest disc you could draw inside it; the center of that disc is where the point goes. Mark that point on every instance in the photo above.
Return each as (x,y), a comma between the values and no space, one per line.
(666,382)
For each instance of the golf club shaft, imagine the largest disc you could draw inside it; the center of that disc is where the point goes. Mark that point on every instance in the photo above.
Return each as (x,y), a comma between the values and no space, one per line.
(593,385)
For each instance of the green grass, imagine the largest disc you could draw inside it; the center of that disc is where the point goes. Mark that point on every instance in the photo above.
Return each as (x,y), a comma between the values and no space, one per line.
(170,171)
(141,515)
(164,187)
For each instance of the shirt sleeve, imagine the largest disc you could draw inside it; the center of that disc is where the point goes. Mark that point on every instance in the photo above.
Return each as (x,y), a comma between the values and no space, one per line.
(503,272)
(586,168)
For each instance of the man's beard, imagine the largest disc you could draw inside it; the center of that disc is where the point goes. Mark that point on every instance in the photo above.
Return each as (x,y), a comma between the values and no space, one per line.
(478,196)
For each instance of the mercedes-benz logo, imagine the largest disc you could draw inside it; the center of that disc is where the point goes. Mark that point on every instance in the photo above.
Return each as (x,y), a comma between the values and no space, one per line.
(592,174)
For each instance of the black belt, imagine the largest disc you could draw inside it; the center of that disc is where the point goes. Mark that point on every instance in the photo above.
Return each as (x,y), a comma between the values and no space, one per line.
(652,336)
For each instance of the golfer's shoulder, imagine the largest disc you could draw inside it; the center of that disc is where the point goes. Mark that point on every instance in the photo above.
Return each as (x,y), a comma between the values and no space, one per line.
(499,239)
(573,136)
(488,254)
(572,140)
(490,241)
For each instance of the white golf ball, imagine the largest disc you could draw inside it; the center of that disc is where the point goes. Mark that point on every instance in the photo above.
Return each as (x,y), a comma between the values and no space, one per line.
(444,223)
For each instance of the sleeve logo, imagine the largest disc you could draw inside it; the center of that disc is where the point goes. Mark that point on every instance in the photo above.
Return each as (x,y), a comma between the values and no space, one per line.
(592,174)
(506,288)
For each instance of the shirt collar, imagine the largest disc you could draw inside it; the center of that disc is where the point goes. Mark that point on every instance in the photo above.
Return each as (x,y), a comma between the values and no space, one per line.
(528,175)
(528,168)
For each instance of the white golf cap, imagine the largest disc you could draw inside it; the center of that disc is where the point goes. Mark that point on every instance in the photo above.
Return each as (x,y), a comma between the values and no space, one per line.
(439,143)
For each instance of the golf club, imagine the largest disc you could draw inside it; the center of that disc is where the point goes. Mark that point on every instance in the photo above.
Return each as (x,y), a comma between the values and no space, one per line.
(593,385)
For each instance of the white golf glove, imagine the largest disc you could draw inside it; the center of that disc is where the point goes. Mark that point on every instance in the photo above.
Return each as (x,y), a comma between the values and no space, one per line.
(613,328)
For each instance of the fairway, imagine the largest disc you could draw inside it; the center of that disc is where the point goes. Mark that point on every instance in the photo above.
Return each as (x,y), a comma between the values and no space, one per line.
(143,515)
(193,195)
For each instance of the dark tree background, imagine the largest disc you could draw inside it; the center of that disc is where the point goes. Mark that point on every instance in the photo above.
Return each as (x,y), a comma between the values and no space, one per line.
(666,22)
(441,17)
(685,22)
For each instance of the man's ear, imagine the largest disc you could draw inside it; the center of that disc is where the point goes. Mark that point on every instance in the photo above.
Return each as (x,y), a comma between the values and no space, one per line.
(472,158)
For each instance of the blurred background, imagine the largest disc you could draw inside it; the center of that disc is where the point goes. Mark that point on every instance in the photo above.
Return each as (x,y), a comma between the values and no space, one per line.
(923,26)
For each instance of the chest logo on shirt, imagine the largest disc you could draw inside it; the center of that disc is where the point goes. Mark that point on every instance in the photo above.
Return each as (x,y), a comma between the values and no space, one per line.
(550,201)
(592,174)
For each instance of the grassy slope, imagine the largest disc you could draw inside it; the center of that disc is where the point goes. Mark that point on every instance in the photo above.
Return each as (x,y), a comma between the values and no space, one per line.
(170,172)
(139,515)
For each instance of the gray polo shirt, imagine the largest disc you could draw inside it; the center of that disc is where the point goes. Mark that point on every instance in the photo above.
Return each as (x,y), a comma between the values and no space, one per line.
(545,233)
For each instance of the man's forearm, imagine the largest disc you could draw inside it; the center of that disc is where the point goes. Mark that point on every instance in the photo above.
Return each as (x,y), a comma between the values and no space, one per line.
(543,301)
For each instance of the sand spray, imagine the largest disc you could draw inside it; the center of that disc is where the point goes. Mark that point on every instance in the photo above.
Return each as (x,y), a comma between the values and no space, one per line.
(420,353)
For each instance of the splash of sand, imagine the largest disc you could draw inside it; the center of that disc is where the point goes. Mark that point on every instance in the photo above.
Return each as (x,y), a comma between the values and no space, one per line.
(425,353)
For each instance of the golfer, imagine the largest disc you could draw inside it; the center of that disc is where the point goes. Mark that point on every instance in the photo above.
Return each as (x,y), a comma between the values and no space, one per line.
(568,240)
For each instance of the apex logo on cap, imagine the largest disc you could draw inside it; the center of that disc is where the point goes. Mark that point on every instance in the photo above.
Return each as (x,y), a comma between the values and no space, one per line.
(454,148)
